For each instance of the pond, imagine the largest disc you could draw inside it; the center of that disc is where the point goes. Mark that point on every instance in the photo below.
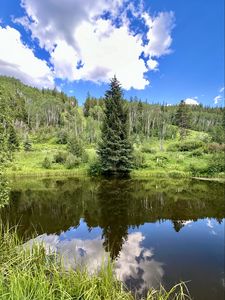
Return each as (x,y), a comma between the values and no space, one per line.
(156,231)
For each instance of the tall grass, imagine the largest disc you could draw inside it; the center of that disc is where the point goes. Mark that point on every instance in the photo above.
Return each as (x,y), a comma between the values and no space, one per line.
(31,274)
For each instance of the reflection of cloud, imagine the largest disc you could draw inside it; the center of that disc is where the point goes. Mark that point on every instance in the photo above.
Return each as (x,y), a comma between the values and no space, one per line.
(210,225)
(134,266)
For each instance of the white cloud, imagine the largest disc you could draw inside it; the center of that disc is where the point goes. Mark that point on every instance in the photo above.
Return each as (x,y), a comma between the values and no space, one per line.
(159,33)
(75,32)
(18,60)
(217,99)
(221,90)
(190,101)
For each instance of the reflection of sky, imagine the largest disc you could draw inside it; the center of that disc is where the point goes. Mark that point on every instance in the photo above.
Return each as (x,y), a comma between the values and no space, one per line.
(135,264)
(152,253)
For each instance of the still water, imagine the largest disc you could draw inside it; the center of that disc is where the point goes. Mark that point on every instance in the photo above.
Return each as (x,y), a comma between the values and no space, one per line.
(157,231)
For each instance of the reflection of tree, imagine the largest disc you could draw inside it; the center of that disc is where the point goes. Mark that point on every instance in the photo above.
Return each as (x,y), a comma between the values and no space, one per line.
(114,199)
(177,225)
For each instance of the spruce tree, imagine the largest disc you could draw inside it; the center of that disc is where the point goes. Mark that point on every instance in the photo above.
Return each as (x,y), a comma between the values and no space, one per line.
(13,143)
(115,150)
(182,119)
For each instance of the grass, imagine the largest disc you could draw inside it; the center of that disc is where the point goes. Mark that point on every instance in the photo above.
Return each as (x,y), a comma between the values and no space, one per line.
(173,164)
(31,274)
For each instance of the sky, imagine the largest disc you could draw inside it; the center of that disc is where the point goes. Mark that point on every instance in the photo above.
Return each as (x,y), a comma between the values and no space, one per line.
(162,51)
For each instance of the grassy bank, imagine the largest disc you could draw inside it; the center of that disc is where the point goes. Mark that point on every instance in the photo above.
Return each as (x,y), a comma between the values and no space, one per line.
(178,159)
(31,274)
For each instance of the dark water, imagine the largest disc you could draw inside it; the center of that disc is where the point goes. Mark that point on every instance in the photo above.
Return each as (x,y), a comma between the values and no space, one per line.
(157,231)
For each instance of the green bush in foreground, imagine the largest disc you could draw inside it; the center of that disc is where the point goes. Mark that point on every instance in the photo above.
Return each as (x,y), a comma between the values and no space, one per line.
(47,163)
(31,274)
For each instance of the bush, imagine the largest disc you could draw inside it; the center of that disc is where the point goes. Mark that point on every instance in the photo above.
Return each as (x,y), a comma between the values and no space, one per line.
(95,168)
(198,170)
(177,174)
(161,160)
(138,159)
(190,145)
(148,149)
(84,157)
(60,157)
(216,164)
(215,147)
(27,146)
(75,146)
(62,137)
(197,152)
(72,161)
(172,147)
(47,163)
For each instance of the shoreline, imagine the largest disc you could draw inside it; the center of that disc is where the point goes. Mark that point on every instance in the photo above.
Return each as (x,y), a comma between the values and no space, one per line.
(84,173)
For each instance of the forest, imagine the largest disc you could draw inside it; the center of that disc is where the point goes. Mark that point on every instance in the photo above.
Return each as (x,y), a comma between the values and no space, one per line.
(47,132)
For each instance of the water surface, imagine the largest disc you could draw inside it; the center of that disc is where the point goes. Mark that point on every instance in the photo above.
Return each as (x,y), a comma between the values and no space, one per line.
(157,231)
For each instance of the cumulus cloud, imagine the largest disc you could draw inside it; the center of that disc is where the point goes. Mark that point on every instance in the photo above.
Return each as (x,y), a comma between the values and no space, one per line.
(190,101)
(77,33)
(18,60)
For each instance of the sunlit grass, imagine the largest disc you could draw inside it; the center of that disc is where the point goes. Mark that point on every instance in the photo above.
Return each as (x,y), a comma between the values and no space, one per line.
(31,274)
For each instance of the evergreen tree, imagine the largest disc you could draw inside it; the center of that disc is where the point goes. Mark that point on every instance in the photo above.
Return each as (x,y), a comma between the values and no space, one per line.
(115,150)
(13,143)
(182,119)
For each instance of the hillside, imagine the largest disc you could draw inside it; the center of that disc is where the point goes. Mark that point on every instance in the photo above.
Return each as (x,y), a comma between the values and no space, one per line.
(50,133)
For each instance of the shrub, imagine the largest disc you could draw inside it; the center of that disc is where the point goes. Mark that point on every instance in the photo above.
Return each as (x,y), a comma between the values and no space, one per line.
(95,168)
(197,152)
(75,146)
(161,160)
(216,164)
(62,137)
(190,145)
(172,147)
(215,147)
(60,157)
(177,174)
(148,149)
(27,146)
(138,159)
(72,161)
(198,170)
(47,163)
(84,157)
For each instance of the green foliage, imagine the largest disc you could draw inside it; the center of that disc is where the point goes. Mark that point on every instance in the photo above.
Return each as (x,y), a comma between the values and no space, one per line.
(75,146)
(72,161)
(138,159)
(182,118)
(4,190)
(13,142)
(60,157)
(185,146)
(146,148)
(27,272)
(27,145)
(161,160)
(115,150)
(95,168)
(177,174)
(62,137)
(197,152)
(218,134)
(216,164)
(47,163)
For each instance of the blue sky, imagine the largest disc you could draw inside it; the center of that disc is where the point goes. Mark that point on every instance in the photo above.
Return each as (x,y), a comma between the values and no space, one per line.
(160,50)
